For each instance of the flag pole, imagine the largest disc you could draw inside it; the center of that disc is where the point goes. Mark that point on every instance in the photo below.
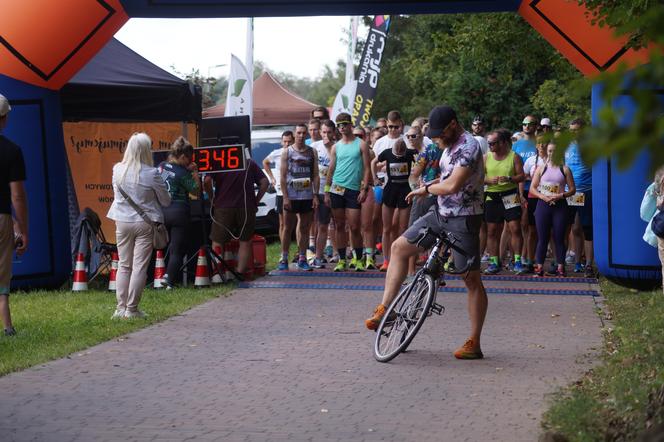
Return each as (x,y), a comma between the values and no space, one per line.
(249,61)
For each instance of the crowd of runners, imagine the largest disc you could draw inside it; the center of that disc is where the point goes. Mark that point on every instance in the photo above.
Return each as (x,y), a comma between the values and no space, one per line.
(342,190)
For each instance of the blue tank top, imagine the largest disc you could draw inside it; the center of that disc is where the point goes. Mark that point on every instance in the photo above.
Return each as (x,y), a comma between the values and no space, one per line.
(348,166)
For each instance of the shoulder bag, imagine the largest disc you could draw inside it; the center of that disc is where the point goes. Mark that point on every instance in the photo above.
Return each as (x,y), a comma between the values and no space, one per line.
(159,231)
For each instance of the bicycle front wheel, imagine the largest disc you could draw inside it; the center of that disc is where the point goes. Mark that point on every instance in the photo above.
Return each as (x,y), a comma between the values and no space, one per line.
(404,317)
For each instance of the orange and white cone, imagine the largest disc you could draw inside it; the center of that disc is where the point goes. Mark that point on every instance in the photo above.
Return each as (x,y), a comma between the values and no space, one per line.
(80,275)
(114,272)
(159,270)
(216,277)
(202,278)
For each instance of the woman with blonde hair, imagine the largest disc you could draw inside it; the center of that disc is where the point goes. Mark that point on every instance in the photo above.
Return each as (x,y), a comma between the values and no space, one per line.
(137,187)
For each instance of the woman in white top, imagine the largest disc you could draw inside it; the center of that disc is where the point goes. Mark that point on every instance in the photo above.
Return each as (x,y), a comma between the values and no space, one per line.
(144,185)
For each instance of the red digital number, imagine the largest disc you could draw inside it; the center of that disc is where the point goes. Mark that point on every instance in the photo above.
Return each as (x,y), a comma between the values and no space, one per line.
(219,156)
(203,160)
(233,158)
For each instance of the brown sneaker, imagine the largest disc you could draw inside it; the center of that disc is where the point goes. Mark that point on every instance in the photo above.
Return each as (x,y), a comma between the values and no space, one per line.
(469,350)
(373,322)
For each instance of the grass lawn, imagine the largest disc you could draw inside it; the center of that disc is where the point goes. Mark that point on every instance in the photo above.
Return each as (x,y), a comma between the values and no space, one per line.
(622,397)
(53,324)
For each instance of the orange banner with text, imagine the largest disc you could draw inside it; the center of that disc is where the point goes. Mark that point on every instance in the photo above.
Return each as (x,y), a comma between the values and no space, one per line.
(92,150)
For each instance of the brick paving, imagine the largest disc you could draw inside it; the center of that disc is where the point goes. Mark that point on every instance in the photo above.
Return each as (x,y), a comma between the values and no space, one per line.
(288,364)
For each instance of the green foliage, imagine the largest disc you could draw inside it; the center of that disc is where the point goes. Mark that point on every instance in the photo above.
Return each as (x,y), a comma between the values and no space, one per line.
(612,135)
(53,324)
(492,64)
(623,396)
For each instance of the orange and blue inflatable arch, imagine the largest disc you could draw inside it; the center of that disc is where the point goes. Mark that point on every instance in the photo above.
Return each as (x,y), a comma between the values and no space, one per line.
(43,43)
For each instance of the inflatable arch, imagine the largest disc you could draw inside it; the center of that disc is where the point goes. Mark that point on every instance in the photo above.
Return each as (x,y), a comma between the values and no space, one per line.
(44,43)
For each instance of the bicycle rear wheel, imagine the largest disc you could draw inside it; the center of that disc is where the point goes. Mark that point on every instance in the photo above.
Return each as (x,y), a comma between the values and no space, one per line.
(404,317)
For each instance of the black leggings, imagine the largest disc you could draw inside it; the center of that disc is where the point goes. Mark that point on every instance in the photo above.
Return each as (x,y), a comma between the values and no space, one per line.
(546,217)
(176,218)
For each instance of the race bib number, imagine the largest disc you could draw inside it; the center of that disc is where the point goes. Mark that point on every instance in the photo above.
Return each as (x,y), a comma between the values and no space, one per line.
(398,169)
(578,199)
(511,201)
(549,189)
(337,189)
(301,183)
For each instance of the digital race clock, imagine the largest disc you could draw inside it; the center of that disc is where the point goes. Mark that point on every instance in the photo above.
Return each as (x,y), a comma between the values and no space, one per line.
(213,159)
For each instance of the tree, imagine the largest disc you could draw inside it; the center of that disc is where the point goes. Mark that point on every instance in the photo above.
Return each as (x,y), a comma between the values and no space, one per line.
(492,64)
(641,21)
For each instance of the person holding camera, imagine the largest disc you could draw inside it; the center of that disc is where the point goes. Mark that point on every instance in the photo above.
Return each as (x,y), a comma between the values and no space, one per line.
(137,186)
(13,234)
(180,174)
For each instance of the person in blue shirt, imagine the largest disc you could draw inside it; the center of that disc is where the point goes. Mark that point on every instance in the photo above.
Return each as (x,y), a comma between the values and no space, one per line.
(525,147)
(581,210)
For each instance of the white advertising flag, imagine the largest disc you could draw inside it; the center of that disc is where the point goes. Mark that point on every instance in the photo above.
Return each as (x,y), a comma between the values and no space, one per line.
(239,97)
(344,100)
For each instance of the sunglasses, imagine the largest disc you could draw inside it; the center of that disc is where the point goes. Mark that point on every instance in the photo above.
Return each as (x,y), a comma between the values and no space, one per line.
(342,124)
(412,137)
(492,143)
(529,123)
(393,127)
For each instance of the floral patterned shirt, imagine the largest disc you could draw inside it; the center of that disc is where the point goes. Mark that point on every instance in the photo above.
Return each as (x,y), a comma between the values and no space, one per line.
(430,159)
(466,152)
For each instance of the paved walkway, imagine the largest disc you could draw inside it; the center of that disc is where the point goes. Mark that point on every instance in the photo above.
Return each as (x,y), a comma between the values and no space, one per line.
(291,364)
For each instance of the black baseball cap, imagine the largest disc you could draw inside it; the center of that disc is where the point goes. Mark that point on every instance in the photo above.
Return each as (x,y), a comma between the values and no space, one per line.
(439,118)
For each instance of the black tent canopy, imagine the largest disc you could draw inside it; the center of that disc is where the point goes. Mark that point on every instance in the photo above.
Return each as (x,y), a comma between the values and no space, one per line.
(120,85)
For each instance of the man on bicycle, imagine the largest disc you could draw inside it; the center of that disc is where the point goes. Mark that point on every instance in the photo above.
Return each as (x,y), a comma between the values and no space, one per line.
(460,192)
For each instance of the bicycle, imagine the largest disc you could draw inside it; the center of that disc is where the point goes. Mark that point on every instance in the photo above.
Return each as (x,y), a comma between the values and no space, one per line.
(417,300)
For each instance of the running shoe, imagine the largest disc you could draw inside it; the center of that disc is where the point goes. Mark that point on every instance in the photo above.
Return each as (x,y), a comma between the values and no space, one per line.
(492,269)
(560,272)
(369,263)
(571,256)
(283,265)
(318,263)
(553,271)
(578,268)
(353,262)
(469,350)
(328,251)
(590,272)
(341,266)
(519,268)
(303,265)
(334,259)
(373,322)
(538,271)
(359,265)
(448,266)
(385,265)
(485,257)
(10,331)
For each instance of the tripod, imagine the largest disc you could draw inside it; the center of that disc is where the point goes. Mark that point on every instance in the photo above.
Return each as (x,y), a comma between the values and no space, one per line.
(214,261)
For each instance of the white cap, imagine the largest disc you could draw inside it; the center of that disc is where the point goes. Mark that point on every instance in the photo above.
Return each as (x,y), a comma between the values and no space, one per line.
(4,106)
(545,122)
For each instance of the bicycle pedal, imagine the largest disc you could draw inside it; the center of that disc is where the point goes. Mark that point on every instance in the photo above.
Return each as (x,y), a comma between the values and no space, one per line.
(437,309)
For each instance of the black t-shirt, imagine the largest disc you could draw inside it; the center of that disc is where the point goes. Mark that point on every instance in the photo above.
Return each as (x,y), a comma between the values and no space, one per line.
(12,168)
(397,168)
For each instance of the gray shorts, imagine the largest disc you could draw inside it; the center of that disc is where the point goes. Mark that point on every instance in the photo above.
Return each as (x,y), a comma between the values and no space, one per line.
(466,229)
(420,207)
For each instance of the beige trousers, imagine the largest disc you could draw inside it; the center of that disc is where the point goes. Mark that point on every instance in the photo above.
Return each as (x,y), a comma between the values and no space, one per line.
(135,249)
(660,250)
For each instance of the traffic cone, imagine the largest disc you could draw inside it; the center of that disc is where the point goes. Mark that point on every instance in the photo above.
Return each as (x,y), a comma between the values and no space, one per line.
(114,271)
(80,275)
(159,270)
(231,250)
(216,277)
(202,278)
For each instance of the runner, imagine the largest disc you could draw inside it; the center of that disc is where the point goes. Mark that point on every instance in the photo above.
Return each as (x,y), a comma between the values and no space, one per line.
(299,180)
(349,167)
(503,171)
(323,149)
(460,196)
(273,162)
(397,163)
